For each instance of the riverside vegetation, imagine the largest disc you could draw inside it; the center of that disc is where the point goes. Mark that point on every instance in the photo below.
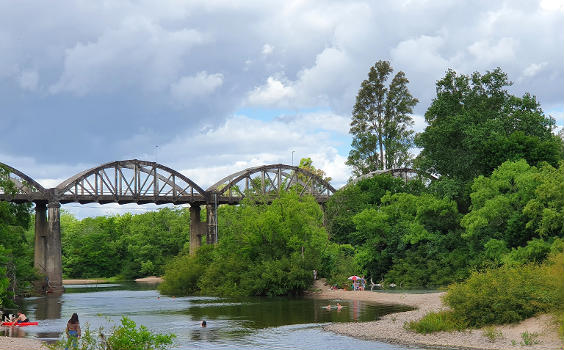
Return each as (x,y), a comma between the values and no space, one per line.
(124,336)
(493,219)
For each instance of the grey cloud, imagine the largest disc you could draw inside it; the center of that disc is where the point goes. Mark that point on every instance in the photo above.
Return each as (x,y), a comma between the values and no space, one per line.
(90,82)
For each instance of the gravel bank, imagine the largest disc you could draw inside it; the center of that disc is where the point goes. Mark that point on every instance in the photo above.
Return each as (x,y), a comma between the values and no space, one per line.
(390,327)
(7,343)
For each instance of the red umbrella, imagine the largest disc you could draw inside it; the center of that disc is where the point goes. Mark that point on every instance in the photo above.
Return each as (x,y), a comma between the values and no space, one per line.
(354,278)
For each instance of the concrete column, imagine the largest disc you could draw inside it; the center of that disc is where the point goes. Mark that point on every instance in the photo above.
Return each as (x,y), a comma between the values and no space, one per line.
(54,265)
(211,236)
(195,229)
(41,228)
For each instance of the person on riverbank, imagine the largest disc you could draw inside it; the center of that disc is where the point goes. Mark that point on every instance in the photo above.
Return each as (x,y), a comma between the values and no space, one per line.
(73,331)
(21,318)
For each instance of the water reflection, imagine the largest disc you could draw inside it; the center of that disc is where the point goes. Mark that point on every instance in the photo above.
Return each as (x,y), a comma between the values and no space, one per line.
(249,323)
(49,308)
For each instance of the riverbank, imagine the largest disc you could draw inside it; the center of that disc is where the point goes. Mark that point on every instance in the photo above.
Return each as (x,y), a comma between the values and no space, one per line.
(9,343)
(150,279)
(390,327)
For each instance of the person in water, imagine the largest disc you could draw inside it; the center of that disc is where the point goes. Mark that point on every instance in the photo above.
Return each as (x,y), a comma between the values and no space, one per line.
(204,324)
(73,331)
(21,318)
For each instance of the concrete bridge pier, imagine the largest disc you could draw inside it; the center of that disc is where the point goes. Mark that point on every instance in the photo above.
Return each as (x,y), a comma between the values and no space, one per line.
(40,237)
(211,219)
(197,228)
(53,262)
(48,244)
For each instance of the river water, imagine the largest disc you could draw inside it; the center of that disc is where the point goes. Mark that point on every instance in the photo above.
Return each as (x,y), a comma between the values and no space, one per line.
(253,323)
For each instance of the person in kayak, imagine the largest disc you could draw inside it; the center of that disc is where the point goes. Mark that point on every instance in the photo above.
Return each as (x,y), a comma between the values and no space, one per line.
(21,318)
(73,331)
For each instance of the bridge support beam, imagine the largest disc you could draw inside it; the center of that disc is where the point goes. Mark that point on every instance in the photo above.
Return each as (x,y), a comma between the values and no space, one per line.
(196,231)
(53,263)
(211,219)
(41,229)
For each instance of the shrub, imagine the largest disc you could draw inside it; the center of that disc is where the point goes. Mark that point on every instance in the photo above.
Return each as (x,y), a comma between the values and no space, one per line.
(436,322)
(124,337)
(508,294)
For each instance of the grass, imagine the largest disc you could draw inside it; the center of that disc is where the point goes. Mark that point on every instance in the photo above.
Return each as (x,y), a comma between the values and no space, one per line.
(529,338)
(492,334)
(436,322)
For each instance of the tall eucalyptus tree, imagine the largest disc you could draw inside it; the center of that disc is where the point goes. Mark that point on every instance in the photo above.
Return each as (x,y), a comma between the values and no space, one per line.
(381,122)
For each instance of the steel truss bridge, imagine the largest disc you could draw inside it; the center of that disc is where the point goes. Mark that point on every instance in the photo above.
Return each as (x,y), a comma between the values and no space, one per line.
(144,182)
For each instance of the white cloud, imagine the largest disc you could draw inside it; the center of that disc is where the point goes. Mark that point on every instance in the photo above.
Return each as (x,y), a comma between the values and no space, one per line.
(267,49)
(28,80)
(190,87)
(273,93)
(533,69)
(113,68)
(502,51)
(138,53)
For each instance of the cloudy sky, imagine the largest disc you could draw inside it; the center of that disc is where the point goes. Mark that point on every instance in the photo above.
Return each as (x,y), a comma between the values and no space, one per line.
(213,87)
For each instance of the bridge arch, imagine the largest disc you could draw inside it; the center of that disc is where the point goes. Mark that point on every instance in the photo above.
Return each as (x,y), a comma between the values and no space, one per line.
(269,179)
(402,173)
(28,190)
(130,181)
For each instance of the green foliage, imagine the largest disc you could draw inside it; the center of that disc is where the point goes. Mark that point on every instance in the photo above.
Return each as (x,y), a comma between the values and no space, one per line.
(475,125)
(127,245)
(126,336)
(16,251)
(437,322)
(355,197)
(515,204)
(338,263)
(183,272)
(492,333)
(529,338)
(264,250)
(408,239)
(508,294)
(380,122)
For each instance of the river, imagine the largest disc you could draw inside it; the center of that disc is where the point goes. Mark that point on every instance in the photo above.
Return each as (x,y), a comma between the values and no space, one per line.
(252,323)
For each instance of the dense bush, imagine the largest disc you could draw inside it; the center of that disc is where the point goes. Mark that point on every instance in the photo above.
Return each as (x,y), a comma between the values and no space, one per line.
(437,322)
(508,294)
(263,250)
(127,246)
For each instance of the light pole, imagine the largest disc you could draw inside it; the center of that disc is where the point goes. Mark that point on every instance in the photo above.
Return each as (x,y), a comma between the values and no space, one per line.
(293,158)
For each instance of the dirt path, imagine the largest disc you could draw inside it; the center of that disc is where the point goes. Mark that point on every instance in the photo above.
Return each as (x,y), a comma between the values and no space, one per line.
(390,328)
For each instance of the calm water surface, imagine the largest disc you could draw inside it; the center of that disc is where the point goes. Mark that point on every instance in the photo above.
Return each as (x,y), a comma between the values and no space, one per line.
(254,323)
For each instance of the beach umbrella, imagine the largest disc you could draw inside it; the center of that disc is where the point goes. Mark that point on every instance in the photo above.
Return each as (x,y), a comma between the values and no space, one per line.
(354,278)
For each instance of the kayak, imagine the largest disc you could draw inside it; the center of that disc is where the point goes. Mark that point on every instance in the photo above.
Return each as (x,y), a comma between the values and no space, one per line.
(21,324)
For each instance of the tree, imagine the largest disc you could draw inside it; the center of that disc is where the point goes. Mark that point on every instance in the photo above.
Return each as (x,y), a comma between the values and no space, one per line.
(475,125)
(16,252)
(380,122)
(516,204)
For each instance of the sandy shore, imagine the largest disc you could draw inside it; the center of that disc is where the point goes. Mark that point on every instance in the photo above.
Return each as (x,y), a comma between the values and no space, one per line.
(7,343)
(390,327)
(150,279)
(82,281)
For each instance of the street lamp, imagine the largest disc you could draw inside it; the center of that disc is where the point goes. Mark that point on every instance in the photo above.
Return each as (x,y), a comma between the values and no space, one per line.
(293,158)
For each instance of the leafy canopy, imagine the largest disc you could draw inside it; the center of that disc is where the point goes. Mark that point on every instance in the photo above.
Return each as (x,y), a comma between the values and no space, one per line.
(380,121)
(475,125)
